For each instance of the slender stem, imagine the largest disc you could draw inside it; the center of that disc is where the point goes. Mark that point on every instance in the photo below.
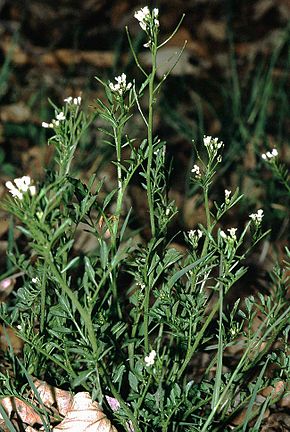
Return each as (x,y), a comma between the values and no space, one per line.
(150,141)
(118,145)
(146,319)
(208,222)
(43,299)
(217,385)
(131,346)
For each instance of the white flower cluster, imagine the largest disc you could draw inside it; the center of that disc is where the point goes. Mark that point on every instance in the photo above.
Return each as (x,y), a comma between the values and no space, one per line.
(150,359)
(227,195)
(35,280)
(75,101)
(21,186)
(212,144)
(144,17)
(55,122)
(270,155)
(195,236)
(122,86)
(257,217)
(230,236)
(196,171)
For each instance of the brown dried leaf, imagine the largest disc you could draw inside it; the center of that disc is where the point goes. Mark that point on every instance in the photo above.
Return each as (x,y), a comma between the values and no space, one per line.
(284,402)
(22,410)
(15,113)
(214,29)
(242,415)
(6,287)
(85,416)
(54,396)
(16,342)
(279,422)
(274,391)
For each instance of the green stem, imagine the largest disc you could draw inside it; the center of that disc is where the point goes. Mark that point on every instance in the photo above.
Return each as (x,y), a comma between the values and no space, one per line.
(150,141)
(43,300)
(131,346)
(208,222)
(118,144)
(217,384)
(146,317)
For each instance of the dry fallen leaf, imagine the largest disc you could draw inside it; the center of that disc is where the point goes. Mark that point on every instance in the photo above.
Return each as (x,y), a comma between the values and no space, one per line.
(54,396)
(6,286)
(274,391)
(85,415)
(22,410)
(15,341)
(16,113)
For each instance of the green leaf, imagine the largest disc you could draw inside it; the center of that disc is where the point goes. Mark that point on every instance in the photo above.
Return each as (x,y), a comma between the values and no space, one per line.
(133,381)
(70,264)
(186,269)
(82,376)
(145,84)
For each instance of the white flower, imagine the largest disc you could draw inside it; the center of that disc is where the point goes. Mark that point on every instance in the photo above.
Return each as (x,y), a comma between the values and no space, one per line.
(23,183)
(60,116)
(32,190)
(21,186)
(232,232)
(212,144)
(155,12)
(257,217)
(270,155)
(68,100)
(196,171)
(141,285)
(47,125)
(144,17)
(223,235)
(122,86)
(55,122)
(206,140)
(35,280)
(231,236)
(77,100)
(227,195)
(193,234)
(150,359)
(13,190)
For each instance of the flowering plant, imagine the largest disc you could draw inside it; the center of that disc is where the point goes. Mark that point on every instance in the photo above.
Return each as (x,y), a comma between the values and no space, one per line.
(137,346)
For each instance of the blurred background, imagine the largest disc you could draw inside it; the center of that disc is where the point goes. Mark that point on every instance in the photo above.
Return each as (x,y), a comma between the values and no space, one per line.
(232,82)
